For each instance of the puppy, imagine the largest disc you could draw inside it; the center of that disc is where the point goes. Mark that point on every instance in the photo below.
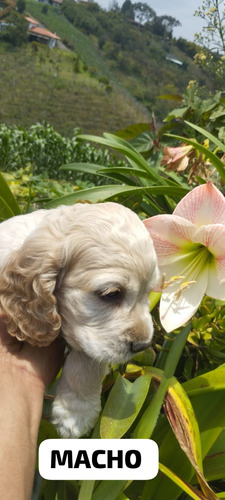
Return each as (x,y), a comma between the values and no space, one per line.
(84,271)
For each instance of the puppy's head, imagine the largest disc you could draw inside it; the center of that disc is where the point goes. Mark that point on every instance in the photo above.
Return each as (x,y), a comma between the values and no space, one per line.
(87,270)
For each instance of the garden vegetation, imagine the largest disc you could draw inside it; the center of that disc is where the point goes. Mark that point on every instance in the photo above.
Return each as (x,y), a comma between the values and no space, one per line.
(175,391)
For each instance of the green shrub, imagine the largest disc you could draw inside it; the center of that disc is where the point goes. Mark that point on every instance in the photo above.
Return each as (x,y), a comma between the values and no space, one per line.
(45,151)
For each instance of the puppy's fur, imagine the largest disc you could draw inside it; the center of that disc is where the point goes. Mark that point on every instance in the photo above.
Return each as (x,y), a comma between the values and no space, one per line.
(85,271)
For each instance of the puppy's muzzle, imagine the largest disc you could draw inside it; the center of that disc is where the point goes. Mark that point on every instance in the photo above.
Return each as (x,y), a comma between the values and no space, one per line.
(139,346)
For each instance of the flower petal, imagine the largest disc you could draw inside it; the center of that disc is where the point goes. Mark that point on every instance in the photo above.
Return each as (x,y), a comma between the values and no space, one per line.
(177,153)
(216,274)
(169,234)
(220,267)
(176,158)
(212,237)
(204,205)
(176,310)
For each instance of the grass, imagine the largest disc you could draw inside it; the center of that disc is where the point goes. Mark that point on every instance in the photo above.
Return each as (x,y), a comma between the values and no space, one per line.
(83,45)
(45,87)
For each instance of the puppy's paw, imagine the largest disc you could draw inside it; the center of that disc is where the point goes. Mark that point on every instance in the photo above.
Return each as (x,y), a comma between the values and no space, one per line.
(73,417)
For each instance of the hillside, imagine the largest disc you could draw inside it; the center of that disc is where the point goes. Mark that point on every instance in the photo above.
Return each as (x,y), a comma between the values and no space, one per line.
(39,84)
(138,57)
(111,76)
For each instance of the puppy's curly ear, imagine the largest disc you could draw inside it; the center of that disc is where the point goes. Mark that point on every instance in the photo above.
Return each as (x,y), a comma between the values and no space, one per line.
(27,284)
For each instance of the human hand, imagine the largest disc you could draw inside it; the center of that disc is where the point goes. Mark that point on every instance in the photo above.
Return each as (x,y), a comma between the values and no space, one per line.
(25,373)
(38,364)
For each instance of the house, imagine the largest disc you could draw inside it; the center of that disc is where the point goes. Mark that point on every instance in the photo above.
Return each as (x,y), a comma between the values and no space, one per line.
(32,22)
(174,59)
(56,3)
(41,35)
(4,25)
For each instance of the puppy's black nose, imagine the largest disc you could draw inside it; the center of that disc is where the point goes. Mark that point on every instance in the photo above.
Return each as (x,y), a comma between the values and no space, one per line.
(139,346)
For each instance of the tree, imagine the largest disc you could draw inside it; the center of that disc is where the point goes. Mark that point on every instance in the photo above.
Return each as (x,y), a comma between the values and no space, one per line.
(143,13)
(212,39)
(21,6)
(213,33)
(169,24)
(127,10)
(114,6)
(16,31)
(164,25)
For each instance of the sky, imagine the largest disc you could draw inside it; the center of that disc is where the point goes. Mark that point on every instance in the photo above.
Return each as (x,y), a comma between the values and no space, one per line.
(182,10)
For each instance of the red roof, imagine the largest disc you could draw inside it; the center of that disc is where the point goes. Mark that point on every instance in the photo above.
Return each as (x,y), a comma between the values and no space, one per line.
(31,20)
(43,32)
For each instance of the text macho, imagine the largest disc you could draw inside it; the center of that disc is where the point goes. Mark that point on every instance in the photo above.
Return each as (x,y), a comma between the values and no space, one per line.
(99,459)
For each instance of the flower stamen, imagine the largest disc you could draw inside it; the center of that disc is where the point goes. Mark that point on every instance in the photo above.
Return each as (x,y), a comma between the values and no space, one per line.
(183,287)
(164,284)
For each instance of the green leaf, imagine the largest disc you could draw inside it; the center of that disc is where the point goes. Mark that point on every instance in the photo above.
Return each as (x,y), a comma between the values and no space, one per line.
(133,131)
(61,491)
(108,490)
(125,170)
(121,496)
(127,149)
(102,193)
(89,168)
(182,419)
(214,466)
(9,204)
(102,171)
(176,113)
(93,195)
(181,416)
(145,358)
(187,488)
(208,382)
(154,298)
(171,97)
(210,414)
(48,490)
(46,431)
(94,169)
(143,142)
(218,113)
(221,133)
(185,426)
(123,405)
(219,445)
(86,490)
(207,134)
(149,419)
(5,210)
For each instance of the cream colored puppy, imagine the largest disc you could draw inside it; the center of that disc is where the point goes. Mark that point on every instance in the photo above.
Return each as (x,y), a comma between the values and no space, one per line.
(84,271)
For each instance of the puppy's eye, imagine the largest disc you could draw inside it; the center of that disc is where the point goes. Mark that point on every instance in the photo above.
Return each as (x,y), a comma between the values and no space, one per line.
(111,295)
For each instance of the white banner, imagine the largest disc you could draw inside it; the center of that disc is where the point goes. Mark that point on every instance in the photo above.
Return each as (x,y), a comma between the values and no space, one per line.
(89,459)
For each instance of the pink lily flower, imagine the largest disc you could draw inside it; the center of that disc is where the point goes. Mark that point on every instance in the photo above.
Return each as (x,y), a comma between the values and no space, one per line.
(190,245)
(177,158)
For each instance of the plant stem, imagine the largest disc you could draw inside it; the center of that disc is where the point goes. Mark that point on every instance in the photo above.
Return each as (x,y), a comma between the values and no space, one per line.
(148,421)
